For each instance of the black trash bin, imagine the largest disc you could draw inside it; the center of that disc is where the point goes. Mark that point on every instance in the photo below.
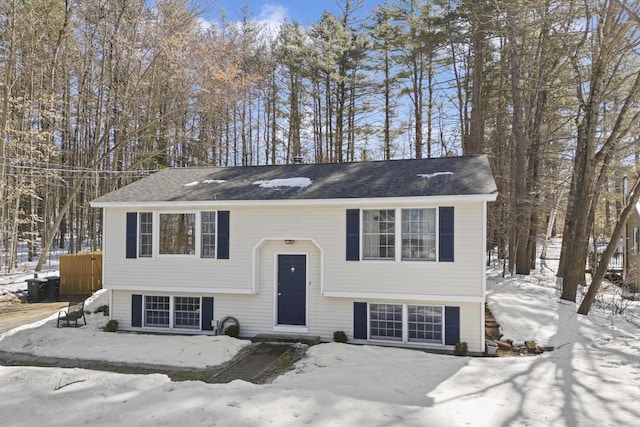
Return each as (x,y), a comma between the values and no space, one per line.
(53,288)
(37,288)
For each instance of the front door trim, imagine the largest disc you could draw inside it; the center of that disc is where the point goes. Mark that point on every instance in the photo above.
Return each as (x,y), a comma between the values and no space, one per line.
(284,327)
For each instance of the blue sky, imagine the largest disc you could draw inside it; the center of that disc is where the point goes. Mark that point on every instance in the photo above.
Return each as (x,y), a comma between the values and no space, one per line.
(306,12)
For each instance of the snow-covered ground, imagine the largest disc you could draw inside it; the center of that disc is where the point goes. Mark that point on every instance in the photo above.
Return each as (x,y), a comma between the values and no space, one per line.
(14,282)
(591,379)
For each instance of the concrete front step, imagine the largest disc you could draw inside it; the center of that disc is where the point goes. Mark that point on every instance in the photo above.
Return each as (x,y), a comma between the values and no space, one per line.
(303,339)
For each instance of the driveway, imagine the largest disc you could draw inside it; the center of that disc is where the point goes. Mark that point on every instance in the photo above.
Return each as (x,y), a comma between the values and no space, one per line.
(14,315)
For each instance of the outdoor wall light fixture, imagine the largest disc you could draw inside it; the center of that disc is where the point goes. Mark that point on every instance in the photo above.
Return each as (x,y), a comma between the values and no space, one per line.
(289,242)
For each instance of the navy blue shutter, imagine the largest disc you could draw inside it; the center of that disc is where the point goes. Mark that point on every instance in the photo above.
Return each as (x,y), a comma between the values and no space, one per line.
(132,235)
(360,320)
(136,311)
(207,313)
(353,234)
(446,234)
(451,325)
(223,234)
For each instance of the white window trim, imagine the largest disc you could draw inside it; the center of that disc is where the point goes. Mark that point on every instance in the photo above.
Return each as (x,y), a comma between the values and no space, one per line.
(155,236)
(139,232)
(436,233)
(171,326)
(395,236)
(156,231)
(398,235)
(405,325)
(199,234)
(144,313)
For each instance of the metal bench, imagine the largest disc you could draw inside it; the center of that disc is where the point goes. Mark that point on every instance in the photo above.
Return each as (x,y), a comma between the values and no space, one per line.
(74,312)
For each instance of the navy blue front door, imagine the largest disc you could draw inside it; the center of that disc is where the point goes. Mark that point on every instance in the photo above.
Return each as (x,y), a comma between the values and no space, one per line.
(292,289)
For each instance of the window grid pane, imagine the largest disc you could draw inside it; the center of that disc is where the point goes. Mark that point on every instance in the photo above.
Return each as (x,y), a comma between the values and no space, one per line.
(385,321)
(378,234)
(156,311)
(208,234)
(146,234)
(425,324)
(419,234)
(177,234)
(186,312)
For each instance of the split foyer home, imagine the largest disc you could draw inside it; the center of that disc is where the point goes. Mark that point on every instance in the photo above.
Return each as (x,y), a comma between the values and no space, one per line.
(386,251)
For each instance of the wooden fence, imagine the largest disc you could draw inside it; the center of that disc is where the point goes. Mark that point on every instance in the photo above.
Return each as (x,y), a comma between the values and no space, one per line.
(80,274)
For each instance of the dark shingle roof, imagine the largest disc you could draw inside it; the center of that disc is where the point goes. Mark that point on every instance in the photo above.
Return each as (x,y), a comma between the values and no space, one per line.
(395,178)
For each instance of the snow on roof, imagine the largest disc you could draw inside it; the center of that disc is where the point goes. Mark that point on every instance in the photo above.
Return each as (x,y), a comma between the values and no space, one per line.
(431,175)
(301,182)
(206,181)
(467,176)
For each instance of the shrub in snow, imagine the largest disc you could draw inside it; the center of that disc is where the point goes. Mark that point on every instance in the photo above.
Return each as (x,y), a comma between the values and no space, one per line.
(340,336)
(111,326)
(232,331)
(461,348)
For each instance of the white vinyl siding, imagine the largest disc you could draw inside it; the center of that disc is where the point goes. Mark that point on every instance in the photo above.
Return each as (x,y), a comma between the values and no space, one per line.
(326,315)
(231,280)
(326,225)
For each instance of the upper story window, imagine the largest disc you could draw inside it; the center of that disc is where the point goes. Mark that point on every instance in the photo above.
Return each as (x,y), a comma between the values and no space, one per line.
(424,234)
(208,234)
(379,234)
(146,234)
(196,233)
(177,234)
(419,234)
(636,240)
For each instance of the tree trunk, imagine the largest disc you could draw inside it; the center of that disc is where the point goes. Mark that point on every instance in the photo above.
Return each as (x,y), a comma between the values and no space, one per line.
(603,264)
(577,229)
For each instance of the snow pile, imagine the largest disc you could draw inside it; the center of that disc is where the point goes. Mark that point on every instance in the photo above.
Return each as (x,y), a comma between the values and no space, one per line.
(92,343)
(592,378)
(300,182)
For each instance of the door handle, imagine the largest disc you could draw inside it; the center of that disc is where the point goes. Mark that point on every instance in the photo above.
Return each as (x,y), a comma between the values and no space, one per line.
(279,293)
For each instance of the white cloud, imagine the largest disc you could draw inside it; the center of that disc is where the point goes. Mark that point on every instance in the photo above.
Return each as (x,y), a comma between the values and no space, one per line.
(271,16)
(273,13)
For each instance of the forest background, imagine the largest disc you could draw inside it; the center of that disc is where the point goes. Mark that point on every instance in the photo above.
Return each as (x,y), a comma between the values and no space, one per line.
(95,94)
